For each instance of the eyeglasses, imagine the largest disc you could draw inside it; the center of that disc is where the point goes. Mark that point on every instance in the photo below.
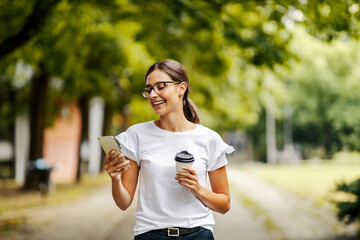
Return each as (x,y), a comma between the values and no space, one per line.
(158,87)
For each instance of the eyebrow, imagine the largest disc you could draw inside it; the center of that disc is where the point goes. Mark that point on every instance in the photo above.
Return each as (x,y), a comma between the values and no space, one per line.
(148,85)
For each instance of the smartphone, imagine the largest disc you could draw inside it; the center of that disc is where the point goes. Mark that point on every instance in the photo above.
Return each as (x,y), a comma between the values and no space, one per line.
(109,143)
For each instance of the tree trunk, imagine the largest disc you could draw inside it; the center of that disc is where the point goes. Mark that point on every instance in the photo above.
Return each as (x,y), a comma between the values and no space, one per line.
(83,103)
(107,120)
(270,135)
(38,116)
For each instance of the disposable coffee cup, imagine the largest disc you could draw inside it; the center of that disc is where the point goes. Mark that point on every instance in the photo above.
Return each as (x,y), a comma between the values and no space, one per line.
(183,158)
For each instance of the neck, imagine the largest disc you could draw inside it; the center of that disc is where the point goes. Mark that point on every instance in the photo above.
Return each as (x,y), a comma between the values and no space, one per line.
(175,123)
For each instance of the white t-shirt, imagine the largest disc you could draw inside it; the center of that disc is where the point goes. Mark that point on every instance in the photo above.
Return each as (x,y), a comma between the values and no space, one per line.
(162,202)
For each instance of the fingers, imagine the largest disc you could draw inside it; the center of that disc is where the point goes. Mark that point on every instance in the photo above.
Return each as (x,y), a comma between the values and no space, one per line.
(114,172)
(190,169)
(108,157)
(117,166)
(111,167)
(190,184)
(189,173)
(186,182)
(189,177)
(115,161)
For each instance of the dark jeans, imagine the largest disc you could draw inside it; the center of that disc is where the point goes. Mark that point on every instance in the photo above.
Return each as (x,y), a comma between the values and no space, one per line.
(202,234)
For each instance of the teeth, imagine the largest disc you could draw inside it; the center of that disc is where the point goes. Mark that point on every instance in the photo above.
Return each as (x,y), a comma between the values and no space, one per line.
(157,103)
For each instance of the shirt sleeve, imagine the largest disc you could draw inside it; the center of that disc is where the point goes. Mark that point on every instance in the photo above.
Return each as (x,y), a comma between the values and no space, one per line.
(218,158)
(128,145)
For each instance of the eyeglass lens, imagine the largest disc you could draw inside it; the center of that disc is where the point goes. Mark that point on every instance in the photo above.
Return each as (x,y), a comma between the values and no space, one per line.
(158,88)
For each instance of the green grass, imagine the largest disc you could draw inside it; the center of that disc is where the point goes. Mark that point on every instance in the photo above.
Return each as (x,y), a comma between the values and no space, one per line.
(10,223)
(315,181)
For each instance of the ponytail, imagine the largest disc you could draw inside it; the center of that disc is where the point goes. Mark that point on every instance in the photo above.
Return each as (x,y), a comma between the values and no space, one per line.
(191,111)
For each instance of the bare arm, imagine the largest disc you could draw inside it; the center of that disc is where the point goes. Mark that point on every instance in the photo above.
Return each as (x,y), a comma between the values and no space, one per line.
(124,181)
(217,199)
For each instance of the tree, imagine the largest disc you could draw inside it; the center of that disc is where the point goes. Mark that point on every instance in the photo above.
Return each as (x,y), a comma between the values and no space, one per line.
(327,74)
(221,44)
(103,48)
(84,56)
(31,24)
(327,20)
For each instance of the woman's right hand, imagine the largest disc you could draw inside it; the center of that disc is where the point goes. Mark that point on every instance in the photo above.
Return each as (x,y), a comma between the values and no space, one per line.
(113,167)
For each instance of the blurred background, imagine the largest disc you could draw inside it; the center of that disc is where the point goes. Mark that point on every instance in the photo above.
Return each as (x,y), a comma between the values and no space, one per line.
(279,80)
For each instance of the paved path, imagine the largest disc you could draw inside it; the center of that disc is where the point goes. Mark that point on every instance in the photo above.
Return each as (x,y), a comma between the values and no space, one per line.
(285,214)
(238,223)
(91,217)
(259,210)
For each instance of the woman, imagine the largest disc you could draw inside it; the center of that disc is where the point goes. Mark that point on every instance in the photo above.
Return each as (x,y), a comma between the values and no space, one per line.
(171,204)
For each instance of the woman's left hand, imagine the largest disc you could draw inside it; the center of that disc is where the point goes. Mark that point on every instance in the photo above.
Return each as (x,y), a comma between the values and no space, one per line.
(189,179)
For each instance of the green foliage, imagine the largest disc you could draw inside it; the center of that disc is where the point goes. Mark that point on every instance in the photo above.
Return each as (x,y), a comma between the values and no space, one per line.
(326,19)
(14,16)
(231,51)
(86,51)
(323,89)
(141,109)
(349,211)
(227,49)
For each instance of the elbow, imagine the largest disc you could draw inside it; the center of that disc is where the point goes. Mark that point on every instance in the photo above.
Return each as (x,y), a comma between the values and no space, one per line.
(123,208)
(223,206)
(226,208)
(227,205)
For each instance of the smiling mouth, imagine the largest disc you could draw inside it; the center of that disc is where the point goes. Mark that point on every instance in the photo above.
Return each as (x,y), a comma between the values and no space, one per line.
(158,103)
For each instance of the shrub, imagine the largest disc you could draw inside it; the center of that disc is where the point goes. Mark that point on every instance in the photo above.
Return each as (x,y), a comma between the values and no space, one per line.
(349,211)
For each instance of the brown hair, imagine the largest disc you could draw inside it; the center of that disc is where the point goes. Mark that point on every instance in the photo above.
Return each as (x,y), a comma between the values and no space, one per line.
(178,74)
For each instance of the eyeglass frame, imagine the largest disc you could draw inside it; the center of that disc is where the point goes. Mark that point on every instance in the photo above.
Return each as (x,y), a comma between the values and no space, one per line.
(146,93)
